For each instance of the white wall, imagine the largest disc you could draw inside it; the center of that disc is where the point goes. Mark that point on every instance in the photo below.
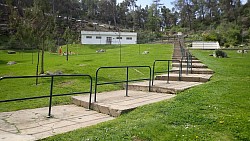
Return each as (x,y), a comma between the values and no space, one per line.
(205,45)
(93,37)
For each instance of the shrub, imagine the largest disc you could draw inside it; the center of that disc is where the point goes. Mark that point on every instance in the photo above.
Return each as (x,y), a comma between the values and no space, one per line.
(227,45)
(220,54)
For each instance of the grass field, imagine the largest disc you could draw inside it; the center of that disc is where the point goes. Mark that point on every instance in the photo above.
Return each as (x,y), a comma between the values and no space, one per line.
(84,61)
(217,110)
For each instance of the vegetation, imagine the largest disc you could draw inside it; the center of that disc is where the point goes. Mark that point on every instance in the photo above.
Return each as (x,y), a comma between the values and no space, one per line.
(84,60)
(216,110)
(221,20)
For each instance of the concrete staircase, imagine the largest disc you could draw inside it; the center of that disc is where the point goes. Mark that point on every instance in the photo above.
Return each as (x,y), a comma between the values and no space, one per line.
(116,103)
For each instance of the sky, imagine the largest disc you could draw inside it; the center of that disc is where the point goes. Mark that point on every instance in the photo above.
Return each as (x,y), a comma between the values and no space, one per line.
(166,3)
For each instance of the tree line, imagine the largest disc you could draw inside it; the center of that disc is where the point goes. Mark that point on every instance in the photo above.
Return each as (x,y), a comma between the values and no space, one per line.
(223,20)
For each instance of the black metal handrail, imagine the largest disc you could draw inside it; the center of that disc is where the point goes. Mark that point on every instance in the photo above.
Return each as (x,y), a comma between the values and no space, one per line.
(168,70)
(186,54)
(51,88)
(127,77)
(189,60)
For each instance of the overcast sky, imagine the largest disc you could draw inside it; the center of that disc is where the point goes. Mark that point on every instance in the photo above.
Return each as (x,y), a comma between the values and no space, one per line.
(166,3)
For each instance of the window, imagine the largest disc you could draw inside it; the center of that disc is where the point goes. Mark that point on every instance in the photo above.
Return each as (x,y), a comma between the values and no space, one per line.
(98,37)
(129,38)
(118,37)
(89,37)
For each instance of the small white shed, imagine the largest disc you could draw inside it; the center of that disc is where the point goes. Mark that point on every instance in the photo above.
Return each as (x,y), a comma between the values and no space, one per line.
(205,45)
(95,37)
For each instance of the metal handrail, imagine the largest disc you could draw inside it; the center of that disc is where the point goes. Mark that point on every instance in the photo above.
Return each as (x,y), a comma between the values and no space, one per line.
(51,88)
(189,61)
(154,72)
(186,54)
(127,77)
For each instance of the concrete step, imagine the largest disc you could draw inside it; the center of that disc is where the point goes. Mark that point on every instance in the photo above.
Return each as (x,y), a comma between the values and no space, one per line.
(194,65)
(179,58)
(185,61)
(184,77)
(32,124)
(162,87)
(194,70)
(116,103)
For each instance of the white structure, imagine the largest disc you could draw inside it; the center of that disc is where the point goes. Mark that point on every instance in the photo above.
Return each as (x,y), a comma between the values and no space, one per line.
(205,45)
(95,37)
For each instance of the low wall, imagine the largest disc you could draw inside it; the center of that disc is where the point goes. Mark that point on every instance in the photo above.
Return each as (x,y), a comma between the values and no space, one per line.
(205,45)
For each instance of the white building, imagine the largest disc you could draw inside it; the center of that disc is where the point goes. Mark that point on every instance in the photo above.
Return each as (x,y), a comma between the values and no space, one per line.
(205,45)
(95,37)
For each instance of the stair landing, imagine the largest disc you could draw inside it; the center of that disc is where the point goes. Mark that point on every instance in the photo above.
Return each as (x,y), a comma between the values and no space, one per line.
(160,86)
(115,103)
(185,77)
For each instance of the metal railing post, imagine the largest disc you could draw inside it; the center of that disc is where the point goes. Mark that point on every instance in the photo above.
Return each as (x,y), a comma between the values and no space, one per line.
(168,73)
(127,83)
(187,59)
(153,75)
(96,79)
(149,85)
(90,95)
(180,67)
(181,64)
(51,95)
(191,63)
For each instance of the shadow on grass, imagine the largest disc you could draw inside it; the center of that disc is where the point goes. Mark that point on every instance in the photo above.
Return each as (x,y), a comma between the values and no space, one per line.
(3,62)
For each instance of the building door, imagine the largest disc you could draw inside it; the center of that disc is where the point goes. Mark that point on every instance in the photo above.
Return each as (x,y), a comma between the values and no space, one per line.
(109,40)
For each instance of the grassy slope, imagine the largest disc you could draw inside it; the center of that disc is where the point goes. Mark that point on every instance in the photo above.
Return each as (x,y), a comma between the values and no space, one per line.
(85,61)
(217,110)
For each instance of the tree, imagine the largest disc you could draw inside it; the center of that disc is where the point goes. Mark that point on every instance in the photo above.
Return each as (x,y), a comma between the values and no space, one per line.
(32,26)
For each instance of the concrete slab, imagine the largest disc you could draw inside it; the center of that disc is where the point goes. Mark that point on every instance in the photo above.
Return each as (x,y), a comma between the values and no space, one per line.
(194,65)
(116,103)
(176,57)
(185,61)
(32,124)
(184,77)
(162,87)
(194,70)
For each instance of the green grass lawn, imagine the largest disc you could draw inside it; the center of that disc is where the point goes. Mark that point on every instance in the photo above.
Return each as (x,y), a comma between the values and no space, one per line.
(84,61)
(216,110)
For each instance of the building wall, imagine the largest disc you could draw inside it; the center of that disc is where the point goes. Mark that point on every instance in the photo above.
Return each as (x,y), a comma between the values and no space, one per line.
(205,45)
(93,37)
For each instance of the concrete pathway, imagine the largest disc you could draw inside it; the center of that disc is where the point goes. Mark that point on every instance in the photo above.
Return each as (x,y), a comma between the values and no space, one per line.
(185,77)
(115,103)
(32,124)
(160,86)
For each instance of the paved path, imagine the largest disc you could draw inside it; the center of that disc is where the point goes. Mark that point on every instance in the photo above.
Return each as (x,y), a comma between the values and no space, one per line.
(32,124)
(115,103)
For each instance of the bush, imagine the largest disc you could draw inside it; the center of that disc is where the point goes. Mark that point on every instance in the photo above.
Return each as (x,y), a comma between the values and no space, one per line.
(145,37)
(211,36)
(220,54)
(227,45)
(229,33)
